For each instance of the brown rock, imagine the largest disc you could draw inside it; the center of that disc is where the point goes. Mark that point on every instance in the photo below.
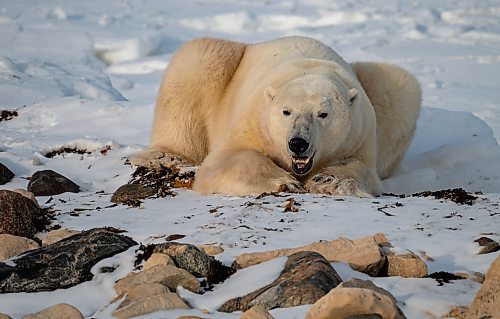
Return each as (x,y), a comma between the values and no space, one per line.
(458,312)
(18,214)
(48,183)
(164,301)
(136,293)
(487,301)
(408,265)
(27,194)
(347,303)
(307,276)
(211,250)
(54,236)
(59,311)
(187,256)
(14,245)
(366,284)
(166,275)
(363,254)
(381,240)
(158,259)
(2,316)
(257,312)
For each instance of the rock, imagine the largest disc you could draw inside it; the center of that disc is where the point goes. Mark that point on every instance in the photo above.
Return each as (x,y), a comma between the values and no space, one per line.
(459,312)
(54,236)
(187,257)
(408,265)
(257,312)
(471,275)
(6,174)
(363,254)
(48,183)
(366,284)
(63,264)
(27,194)
(18,215)
(167,275)
(2,316)
(347,303)
(211,250)
(59,311)
(132,192)
(147,298)
(489,248)
(192,259)
(14,245)
(381,240)
(307,276)
(486,304)
(158,259)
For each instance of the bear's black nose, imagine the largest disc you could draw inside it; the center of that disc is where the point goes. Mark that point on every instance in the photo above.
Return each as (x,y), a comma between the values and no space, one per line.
(298,145)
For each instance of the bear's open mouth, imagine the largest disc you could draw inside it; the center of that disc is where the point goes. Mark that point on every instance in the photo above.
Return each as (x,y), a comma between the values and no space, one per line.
(302,165)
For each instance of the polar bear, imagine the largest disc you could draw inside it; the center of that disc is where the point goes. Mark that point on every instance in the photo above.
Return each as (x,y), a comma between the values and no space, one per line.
(288,114)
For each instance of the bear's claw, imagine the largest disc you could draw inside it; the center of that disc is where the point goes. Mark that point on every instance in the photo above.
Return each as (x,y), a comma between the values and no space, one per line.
(332,185)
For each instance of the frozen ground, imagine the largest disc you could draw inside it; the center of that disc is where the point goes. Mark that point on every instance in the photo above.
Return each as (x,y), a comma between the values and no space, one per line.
(86,74)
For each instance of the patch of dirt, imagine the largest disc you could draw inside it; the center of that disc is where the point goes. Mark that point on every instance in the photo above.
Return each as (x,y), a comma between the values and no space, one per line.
(457,195)
(73,150)
(443,277)
(6,115)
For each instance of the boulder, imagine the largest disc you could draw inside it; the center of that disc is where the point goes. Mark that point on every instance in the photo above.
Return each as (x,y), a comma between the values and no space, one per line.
(486,304)
(48,183)
(6,174)
(407,265)
(59,311)
(18,215)
(257,312)
(54,236)
(363,254)
(167,275)
(27,194)
(147,298)
(187,257)
(158,259)
(346,302)
(211,250)
(307,276)
(11,246)
(63,264)
(132,192)
(3,316)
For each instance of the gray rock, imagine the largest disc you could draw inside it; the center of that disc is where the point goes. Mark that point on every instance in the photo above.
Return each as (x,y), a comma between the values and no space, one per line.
(132,192)
(6,174)
(307,277)
(63,264)
(18,214)
(187,257)
(48,183)
(195,261)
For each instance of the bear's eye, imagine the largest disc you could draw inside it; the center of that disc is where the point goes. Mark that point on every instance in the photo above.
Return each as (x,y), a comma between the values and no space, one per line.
(323,115)
(286,112)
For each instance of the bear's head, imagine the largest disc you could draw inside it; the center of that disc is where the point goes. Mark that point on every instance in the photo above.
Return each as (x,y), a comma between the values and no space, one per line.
(311,118)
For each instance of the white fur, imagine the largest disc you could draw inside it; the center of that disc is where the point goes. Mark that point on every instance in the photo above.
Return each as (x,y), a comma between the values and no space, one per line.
(221,105)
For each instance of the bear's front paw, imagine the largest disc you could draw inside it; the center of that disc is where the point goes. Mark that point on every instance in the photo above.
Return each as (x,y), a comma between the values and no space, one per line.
(289,186)
(332,185)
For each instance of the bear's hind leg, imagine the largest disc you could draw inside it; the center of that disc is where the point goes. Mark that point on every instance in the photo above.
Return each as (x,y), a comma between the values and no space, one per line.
(242,172)
(396,97)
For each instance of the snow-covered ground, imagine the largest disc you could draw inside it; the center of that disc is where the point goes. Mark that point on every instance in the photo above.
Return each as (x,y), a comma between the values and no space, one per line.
(85,74)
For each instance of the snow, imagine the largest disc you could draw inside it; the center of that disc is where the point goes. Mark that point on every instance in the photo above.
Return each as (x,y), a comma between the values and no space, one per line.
(86,75)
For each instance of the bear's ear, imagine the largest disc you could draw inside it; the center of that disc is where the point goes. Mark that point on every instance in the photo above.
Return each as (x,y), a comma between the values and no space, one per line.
(353,95)
(269,94)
